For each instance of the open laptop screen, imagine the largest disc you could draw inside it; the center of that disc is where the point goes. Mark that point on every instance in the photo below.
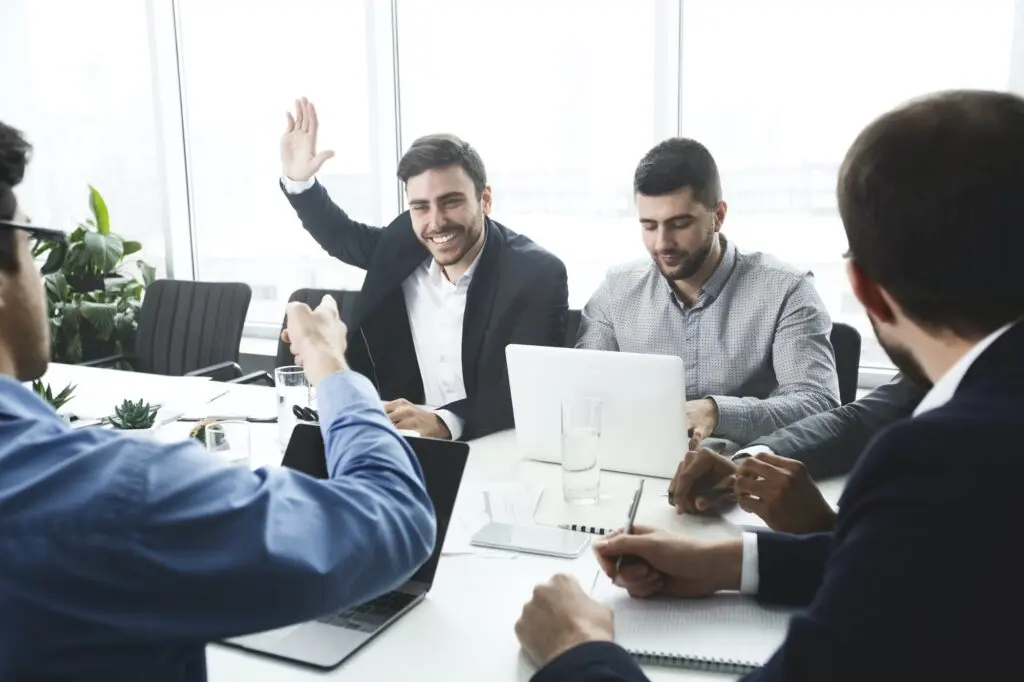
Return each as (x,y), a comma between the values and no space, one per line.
(442,462)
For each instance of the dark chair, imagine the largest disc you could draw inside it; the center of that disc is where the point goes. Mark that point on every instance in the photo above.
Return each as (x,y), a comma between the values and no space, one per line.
(572,327)
(188,329)
(846,343)
(346,301)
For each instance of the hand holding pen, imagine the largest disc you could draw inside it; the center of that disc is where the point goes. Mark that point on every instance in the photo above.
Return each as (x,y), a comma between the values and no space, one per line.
(668,564)
(624,559)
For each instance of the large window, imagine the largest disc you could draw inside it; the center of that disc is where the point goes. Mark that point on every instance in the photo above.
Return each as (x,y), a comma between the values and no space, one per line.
(778,91)
(243,65)
(174,110)
(560,98)
(77,81)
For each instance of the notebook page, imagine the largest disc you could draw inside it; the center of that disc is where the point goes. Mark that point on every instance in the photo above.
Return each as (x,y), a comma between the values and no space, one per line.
(726,627)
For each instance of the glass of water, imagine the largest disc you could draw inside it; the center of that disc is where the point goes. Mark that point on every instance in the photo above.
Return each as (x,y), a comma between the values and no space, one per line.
(292,389)
(229,440)
(581,439)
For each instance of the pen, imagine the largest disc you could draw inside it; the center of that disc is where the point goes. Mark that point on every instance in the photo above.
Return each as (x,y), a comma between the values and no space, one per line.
(629,524)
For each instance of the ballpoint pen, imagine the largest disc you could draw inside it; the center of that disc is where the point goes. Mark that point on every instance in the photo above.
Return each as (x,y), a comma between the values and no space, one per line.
(623,559)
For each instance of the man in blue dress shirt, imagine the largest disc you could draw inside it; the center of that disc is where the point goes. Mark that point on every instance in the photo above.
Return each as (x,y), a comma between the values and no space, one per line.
(121,557)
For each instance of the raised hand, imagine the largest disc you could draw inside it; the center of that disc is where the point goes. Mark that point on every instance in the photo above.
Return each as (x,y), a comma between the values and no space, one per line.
(299,158)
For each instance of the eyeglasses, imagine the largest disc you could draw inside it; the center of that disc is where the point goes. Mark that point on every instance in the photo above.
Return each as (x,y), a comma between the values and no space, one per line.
(43,240)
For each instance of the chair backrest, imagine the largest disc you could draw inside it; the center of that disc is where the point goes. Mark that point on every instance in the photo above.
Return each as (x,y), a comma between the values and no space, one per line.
(846,343)
(186,325)
(572,327)
(346,301)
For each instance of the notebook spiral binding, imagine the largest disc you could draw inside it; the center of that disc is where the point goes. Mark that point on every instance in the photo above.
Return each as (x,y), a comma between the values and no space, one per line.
(714,665)
(580,528)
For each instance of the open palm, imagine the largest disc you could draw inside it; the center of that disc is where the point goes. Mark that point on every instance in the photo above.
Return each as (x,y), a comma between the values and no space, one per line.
(299,158)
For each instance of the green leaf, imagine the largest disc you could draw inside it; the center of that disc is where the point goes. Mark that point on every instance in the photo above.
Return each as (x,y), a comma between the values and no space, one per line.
(131,247)
(148,272)
(104,251)
(71,321)
(57,288)
(78,235)
(99,210)
(101,317)
(55,259)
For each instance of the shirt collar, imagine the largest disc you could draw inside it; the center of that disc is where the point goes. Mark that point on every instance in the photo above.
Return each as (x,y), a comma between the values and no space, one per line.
(435,271)
(713,287)
(943,390)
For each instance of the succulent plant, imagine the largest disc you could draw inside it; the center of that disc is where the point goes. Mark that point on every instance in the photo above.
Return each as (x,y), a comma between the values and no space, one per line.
(133,415)
(45,392)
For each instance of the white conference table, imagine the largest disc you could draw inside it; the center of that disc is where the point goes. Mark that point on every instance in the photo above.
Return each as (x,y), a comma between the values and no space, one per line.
(464,628)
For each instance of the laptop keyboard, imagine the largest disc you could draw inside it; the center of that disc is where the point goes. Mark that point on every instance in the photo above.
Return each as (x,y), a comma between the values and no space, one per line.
(369,617)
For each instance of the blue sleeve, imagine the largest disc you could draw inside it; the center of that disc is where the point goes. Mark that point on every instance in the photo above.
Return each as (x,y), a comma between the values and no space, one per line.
(206,550)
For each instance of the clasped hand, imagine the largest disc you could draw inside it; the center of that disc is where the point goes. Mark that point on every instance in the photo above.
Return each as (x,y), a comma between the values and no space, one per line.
(561,615)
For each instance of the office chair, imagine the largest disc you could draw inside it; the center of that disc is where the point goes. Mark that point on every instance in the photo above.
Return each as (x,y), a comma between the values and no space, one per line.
(188,328)
(572,327)
(346,301)
(846,343)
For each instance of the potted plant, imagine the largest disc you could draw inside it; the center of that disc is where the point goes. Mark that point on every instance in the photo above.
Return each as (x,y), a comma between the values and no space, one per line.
(46,393)
(133,416)
(96,294)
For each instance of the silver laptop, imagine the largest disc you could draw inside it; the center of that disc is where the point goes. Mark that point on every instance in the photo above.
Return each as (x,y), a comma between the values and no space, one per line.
(326,642)
(643,404)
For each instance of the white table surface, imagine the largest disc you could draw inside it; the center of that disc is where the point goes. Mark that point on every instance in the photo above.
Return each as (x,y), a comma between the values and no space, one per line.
(464,628)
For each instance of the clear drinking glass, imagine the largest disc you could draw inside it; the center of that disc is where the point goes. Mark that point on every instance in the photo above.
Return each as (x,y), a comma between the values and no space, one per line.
(581,438)
(229,439)
(292,389)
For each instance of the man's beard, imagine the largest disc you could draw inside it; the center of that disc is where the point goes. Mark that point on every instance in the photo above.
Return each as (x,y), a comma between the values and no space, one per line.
(690,263)
(904,360)
(466,236)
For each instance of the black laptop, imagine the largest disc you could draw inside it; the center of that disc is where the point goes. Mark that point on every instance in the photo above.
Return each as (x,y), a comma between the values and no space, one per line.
(327,641)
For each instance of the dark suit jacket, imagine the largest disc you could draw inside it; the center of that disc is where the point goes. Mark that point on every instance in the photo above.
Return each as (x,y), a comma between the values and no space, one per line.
(921,578)
(829,443)
(518,294)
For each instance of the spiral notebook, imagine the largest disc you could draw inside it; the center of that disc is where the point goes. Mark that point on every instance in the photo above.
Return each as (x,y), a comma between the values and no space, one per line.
(728,633)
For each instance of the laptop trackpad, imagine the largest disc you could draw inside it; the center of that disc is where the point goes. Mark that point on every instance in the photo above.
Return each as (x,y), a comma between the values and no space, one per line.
(267,636)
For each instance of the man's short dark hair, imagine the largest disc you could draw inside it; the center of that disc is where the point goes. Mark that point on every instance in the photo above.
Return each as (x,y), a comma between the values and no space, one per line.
(931,196)
(14,154)
(438,151)
(675,164)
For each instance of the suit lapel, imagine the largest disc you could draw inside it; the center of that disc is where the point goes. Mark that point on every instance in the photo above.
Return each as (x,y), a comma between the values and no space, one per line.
(479,299)
(398,255)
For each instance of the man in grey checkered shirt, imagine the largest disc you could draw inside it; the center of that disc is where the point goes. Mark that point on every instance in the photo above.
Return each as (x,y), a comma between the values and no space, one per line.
(753,332)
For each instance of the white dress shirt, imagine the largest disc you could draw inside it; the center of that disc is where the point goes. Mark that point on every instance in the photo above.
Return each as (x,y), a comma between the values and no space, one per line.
(436,309)
(940,394)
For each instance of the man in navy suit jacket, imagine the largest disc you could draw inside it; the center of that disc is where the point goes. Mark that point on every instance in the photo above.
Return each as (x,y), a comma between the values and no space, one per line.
(447,288)
(921,577)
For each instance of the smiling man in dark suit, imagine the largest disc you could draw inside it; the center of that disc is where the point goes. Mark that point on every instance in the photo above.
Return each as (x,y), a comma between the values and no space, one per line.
(922,570)
(446,287)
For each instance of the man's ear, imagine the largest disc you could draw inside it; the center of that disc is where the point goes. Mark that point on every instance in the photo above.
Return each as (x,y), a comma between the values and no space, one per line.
(870,295)
(485,200)
(721,209)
